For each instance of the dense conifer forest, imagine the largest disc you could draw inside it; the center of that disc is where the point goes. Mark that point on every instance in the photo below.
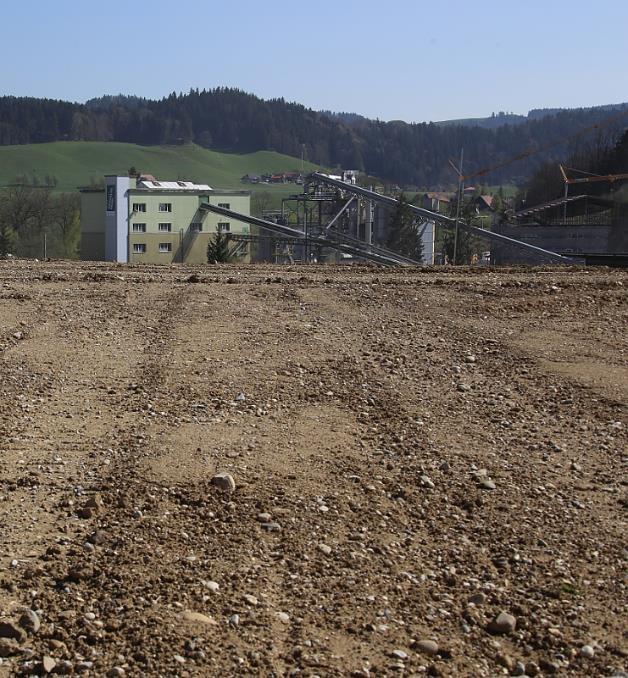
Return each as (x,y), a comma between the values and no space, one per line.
(232,120)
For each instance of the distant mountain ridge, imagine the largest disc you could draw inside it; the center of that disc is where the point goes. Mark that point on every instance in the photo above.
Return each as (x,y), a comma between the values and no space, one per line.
(225,119)
(499,119)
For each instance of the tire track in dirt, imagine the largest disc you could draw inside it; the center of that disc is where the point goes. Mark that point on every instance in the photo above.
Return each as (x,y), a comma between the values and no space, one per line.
(353,433)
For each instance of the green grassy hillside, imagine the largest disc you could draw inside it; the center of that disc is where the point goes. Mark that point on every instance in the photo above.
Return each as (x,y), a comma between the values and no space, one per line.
(78,163)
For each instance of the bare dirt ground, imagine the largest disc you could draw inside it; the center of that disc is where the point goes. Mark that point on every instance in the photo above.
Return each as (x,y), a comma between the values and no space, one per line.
(414,454)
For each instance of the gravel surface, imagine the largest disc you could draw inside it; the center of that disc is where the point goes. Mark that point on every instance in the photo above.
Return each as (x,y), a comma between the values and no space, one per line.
(312,471)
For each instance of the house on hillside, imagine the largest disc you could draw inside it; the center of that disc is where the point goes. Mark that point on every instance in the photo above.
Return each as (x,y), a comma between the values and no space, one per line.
(483,204)
(250,179)
(436,202)
(145,220)
(292,177)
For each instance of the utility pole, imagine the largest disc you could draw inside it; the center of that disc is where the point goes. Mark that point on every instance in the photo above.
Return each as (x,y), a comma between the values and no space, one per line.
(460,189)
(566,180)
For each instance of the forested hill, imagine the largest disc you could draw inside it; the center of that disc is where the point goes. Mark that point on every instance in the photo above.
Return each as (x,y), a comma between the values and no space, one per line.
(232,120)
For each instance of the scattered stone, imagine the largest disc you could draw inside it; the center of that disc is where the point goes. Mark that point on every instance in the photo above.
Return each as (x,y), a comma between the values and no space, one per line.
(463,387)
(80,573)
(29,621)
(211,585)
(428,647)
(84,666)
(283,617)
(115,671)
(65,668)
(97,537)
(548,666)
(13,631)
(198,618)
(470,358)
(532,669)
(587,652)
(95,502)
(487,484)
(323,548)
(503,624)
(426,481)
(399,654)
(48,664)
(240,398)
(271,527)
(9,647)
(264,517)
(251,600)
(224,481)
(478,598)
(506,661)
(234,619)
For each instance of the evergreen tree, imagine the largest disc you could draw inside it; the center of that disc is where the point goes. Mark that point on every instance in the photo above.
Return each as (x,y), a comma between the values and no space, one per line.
(404,233)
(465,247)
(220,250)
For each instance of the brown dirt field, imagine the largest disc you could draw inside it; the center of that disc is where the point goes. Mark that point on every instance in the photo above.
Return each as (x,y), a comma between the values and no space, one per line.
(378,405)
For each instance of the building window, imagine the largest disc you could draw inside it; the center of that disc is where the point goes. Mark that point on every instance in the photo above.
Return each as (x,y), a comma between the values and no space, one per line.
(165,247)
(224,226)
(139,207)
(139,248)
(225,205)
(196,227)
(165,207)
(165,228)
(139,228)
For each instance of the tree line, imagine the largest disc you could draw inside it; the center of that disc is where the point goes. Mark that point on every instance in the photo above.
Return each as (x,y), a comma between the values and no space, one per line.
(35,222)
(228,119)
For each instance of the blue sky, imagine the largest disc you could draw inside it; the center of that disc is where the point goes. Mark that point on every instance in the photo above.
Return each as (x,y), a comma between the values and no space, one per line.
(394,59)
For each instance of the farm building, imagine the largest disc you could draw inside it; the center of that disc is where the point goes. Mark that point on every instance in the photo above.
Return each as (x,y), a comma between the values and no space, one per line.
(143,220)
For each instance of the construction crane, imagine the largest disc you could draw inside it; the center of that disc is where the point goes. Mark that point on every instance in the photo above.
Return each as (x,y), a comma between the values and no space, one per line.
(533,151)
(589,179)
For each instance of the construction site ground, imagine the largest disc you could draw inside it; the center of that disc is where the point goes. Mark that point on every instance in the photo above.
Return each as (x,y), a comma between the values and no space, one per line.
(427,466)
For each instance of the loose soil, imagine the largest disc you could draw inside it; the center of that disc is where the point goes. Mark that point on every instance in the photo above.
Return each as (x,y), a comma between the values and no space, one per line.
(369,412)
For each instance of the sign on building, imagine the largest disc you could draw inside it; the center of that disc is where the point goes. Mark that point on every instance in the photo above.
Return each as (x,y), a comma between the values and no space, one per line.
(111,198)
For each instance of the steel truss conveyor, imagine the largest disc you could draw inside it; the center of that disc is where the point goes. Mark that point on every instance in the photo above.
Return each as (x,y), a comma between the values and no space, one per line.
(427,215)
(333,240)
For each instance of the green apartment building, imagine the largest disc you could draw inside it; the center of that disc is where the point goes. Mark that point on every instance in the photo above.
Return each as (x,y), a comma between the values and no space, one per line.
(143,220)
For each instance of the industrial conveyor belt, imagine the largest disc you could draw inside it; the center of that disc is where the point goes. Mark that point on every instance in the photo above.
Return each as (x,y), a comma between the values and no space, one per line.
(427,215)
(342,243)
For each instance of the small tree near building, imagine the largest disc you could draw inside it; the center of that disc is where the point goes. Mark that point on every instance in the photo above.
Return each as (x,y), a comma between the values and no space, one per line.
(405,235)
(7,237)
(467,245)
(220,250)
